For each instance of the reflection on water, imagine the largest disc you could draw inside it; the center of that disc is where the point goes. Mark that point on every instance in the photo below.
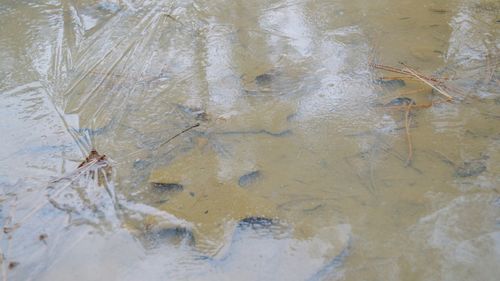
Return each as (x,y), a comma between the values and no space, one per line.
(297,168)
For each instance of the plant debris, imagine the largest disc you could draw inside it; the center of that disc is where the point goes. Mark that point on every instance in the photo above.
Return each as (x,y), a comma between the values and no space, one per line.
(406,104)
(94,157)
(43,237)
(13,264)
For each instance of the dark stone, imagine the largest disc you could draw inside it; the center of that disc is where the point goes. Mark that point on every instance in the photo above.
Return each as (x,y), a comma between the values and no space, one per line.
(167,232)
(167,186)
(391,84)
(470,169)
(256,222)
(264,79)
(400,101)
(249,178)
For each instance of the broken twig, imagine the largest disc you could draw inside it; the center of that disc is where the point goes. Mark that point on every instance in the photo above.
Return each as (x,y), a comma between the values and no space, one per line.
(429,82)
(178,134)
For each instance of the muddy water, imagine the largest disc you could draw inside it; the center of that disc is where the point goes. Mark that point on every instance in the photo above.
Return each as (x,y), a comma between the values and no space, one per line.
(296,171)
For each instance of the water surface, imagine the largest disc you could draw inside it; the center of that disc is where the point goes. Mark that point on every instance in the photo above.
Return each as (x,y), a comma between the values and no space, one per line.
(297,171)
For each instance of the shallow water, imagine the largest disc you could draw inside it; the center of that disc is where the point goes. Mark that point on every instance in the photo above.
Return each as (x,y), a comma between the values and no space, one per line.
(296,170)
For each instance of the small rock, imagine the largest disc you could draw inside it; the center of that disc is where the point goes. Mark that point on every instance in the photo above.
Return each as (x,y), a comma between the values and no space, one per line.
(391,84)
(264,79)
(163,187)
(470,169)
(249,178)
(256,222)
(400,102)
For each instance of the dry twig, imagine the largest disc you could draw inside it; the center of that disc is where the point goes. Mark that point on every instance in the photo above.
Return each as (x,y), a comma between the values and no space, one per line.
(435,83)
(168,140)
(430,82)
(178,134)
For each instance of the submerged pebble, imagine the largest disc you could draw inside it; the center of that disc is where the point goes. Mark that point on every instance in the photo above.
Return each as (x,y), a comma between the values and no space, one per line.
(163,187)
(391,84)
(256,222)
(470,169)
(400,101)
(249,178)
(264,79)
